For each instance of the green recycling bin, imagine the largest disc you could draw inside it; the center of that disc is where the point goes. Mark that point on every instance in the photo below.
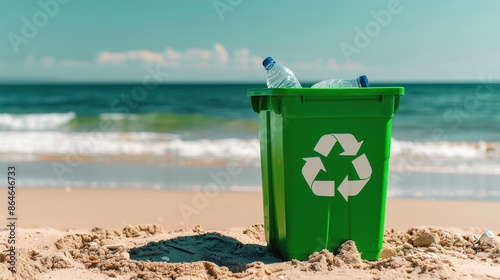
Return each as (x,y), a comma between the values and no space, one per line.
(325,162)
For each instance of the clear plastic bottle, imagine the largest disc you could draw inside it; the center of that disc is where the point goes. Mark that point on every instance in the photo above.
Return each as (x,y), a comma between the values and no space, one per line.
(362,81)
(279,76)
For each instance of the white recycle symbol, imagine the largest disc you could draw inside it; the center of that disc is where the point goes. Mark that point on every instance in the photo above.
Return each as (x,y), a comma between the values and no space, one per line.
(314,164)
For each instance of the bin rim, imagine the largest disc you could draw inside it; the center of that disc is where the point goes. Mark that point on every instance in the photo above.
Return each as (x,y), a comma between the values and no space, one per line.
(375,91)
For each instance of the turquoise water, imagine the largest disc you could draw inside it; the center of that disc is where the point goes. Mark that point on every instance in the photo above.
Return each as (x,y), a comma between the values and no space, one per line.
(450,128)
(465,112)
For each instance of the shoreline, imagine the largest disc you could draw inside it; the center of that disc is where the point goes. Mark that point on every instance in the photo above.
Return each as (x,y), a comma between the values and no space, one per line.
(189,176)
(71,208)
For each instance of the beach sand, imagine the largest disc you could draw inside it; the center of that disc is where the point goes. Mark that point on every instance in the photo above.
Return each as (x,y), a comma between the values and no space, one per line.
(154,234)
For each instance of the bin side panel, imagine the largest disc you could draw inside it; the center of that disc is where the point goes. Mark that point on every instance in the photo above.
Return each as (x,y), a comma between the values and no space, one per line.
(307,214)
(267,181)
(369,205)
(278,191)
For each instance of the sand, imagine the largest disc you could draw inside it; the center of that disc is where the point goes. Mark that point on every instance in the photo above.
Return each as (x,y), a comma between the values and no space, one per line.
(136,234)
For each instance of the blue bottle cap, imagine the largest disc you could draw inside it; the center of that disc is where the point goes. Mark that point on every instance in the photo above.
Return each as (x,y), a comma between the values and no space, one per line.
(267,61)
(363,81)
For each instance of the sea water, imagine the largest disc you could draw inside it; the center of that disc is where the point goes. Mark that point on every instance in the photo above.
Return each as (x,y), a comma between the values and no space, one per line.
(446,138)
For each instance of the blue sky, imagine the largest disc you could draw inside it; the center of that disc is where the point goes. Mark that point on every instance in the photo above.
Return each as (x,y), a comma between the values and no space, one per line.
(226,40)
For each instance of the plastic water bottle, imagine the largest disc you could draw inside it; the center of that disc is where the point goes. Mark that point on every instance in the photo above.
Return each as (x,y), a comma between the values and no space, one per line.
(362,81)
(279,76)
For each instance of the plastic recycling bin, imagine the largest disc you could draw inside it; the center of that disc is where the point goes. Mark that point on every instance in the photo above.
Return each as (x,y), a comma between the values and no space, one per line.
(325,162)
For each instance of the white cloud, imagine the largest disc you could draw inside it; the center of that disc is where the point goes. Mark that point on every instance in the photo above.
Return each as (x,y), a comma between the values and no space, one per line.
(198,54)
(221,53)
(241,57)
(50,62)
(172,54)
(332,63)
(143,56)
(216,57)
(215,63)
(257,61)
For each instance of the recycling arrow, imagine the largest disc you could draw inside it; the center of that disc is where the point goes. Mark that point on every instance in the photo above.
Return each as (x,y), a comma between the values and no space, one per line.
(313,165)
(323,188)
(347,141)
(353,187)
(311,169)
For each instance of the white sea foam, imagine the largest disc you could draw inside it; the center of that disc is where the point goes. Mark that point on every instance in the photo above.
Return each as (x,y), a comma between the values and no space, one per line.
(238,148)
(124,143)
(441,157)
(445,149)
(34,121)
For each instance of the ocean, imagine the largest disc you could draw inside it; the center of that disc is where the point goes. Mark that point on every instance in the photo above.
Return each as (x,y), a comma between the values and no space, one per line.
(445,138)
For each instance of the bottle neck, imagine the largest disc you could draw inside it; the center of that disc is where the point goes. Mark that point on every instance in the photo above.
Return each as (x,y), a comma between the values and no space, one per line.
(270,65)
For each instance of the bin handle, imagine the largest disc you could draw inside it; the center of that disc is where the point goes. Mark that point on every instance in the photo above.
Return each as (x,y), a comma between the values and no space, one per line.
(396,103)
(266,103)
(255,103)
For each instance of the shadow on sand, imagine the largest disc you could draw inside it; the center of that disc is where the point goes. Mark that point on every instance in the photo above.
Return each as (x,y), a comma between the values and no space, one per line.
(213,247)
